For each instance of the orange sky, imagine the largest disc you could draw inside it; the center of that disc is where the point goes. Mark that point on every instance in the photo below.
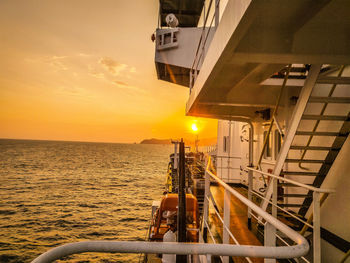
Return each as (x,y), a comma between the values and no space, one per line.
(84,70)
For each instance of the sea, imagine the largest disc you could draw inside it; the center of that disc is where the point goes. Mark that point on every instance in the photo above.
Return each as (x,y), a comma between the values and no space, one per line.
(55,192)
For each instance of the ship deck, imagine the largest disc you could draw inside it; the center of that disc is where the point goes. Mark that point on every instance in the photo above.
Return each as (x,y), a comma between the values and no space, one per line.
(238,221)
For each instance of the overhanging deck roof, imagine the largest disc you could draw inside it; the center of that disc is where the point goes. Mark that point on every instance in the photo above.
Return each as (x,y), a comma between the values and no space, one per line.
(257,38)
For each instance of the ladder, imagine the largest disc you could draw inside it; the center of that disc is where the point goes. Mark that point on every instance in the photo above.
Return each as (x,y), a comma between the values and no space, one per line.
(319,127)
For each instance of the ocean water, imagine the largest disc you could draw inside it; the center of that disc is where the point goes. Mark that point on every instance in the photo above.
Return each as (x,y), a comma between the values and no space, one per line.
(52,193)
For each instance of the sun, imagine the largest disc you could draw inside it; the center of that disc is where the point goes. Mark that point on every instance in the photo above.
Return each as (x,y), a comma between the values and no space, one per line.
(194,127)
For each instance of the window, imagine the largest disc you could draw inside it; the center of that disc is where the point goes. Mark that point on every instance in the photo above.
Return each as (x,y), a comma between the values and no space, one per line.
(278,143)
(267,152)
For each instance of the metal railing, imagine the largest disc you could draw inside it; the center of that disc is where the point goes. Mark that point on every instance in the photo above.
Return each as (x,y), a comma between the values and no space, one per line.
(223,166)
(200,52)
(298,250)
(271,222)
(314,216)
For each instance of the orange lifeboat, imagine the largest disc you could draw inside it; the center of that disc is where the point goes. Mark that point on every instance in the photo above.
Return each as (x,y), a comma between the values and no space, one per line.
(168,205)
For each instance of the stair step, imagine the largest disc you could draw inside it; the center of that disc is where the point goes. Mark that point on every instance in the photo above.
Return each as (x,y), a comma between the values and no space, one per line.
(329,99)
(304,161)
(290,185)
(334,80)
(324,117)
(312,148)
(290,205)
(295,195)
(299,173)
(317,133)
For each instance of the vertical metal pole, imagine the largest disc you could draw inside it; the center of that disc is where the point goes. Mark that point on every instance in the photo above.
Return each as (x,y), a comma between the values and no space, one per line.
(206,206)
(269,240)
(270,230)
(274,197)
(175,156)
(229,153)
(250,173)
(217,13)
(181,215)
(226,236)
(250,189)
(317,226)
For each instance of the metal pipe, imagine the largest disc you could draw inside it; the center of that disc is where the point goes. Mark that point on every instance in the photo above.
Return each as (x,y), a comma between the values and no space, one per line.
(311,188)
(250,173)
(181,214)
(172,248)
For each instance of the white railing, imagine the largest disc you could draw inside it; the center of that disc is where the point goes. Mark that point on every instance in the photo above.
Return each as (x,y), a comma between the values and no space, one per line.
(174,248)
(202,44)
(314,217)
(223,166)
(271,223)
(309,187)
(226,229)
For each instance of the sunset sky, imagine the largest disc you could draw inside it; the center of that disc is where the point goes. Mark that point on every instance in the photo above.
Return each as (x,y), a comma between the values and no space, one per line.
(84,70)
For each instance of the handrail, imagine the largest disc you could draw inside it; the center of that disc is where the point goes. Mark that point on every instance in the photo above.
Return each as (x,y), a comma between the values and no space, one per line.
(309,187)
(284,210)
(301,242)
(201,41)
(180,248)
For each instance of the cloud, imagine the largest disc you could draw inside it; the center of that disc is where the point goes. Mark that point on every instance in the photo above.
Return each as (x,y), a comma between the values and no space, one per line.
(113,66)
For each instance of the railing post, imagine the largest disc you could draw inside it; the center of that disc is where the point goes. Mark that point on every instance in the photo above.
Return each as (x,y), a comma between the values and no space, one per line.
(206,205)
(317,226)
(270,230)
(274,197)
(269,240)
(250,189)
(226,236)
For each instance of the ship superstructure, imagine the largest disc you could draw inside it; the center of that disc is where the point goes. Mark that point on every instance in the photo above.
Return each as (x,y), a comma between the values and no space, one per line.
(275,75)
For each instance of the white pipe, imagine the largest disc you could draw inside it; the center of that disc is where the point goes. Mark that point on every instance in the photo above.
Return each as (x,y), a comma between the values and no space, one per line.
(311,188)
(173,248)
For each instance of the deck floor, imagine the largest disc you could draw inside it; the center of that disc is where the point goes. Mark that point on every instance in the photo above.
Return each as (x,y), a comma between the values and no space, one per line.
(238,221)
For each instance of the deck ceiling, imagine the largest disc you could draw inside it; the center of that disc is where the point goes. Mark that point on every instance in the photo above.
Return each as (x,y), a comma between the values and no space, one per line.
(187,12)
(256,39)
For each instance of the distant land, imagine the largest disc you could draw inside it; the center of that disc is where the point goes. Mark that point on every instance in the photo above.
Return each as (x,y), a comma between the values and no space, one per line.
(202,142)
(156,141)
